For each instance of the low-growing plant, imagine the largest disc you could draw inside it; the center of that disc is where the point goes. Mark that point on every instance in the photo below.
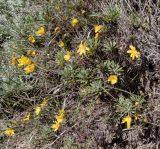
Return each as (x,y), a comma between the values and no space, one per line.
(94,88)
(70,52)
(111,67)
(135,20)
(110,45)
(111,13)
(93,45)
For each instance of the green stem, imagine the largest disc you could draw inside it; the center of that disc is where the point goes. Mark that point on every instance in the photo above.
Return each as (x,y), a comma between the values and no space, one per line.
(121,90)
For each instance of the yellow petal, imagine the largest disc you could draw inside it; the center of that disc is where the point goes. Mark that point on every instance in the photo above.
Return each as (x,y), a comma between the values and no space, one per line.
(61,112)
(37,110)
(74,22)
(33,53)
(55,126)
(30,68)
(61,44)
(82,48)
(113,79)
(133,53)
(26,119)
(67,56)
(132,47)
(31,39)
(59,118)
(98,28)
(44,103)
(9,132)
(40,31)
(128,121)
(129,51)
(24,61)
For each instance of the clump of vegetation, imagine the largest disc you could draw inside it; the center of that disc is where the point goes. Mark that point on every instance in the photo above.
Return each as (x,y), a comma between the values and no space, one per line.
(70,67)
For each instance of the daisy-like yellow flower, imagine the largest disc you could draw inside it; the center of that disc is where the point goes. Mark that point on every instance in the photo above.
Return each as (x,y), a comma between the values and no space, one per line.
(67,56)
(55,126)
(9,132)
(59,118)
(26,119)
(82,48)
(57,30)
(113,79)
(44,103)
(40,31)
(31,39)
(98,28)
(24,60)
(74,22)
(133,52)
(127,120)
(61,44)
(30,68)
(37,110)
(31,53)
(14,59)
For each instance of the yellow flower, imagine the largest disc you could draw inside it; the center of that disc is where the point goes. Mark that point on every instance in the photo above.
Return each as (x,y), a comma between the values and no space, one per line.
(133,52)
(44,103)
(31,39)
(127,120)
(30,68)
(40,31)
(24,61)
(113,79)
(61,112)
(55,126)
(31,52)
(82,48)
(59,118)
(9,132)
(98,28)
(74,22)
(67,56)
(14,59)
(26,119)
(37,110)
(61,44)
(57,29)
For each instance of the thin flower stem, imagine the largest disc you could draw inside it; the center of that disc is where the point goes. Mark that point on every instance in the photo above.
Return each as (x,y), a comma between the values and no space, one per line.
(121,90)
(107,92)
